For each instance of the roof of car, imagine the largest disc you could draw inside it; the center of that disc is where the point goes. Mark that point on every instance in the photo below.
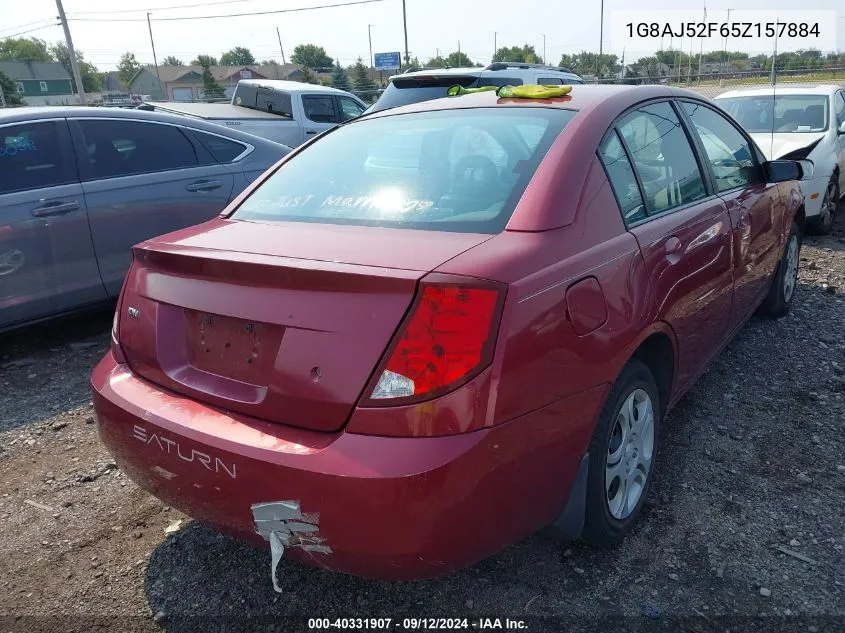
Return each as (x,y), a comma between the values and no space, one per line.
(494,69)
(14,115)
(291,86)
(818,89)
(583,97)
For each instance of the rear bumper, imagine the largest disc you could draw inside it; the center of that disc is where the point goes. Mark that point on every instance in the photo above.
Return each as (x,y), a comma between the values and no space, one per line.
(383,507)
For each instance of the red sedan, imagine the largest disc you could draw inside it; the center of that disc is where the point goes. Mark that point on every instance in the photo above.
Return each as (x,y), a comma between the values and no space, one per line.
(435,330)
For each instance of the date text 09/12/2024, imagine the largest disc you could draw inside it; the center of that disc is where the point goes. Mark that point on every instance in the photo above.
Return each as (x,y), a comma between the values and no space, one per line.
(417,624)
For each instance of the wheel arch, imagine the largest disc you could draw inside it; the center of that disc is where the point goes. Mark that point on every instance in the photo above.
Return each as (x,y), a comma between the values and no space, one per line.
(658,350)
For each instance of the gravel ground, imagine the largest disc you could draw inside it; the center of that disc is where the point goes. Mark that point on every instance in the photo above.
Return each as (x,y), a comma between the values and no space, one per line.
(745,528)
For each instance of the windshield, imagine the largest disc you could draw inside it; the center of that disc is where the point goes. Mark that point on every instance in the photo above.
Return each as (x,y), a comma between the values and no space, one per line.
(779,113)
(446,170)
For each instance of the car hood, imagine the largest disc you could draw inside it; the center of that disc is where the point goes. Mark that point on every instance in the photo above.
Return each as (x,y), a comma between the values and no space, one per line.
(776,145)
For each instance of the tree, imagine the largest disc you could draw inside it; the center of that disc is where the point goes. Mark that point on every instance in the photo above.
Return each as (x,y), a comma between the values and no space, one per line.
(211,89)
(170,60)
(128,67)
(311,56)
(238,56)
(30,49)
(361,78)
(458,59)
(204,60)
(584,63)
(9,90)
(525,54)
(92,81)
(436,62)
(308,76)
(340,79)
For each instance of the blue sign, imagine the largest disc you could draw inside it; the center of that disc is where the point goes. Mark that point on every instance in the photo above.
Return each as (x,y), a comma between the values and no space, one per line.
(387,61)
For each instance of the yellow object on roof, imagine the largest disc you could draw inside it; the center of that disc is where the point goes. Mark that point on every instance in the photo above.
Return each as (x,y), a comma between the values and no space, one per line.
(529,91)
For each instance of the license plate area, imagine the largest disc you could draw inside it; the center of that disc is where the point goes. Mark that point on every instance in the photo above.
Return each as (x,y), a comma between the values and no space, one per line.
(230,347)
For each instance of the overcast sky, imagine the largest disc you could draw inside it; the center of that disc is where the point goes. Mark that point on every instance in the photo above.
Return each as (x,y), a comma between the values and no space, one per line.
(432,25)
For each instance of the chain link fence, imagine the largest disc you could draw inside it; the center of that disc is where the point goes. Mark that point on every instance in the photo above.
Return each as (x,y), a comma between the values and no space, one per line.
(713,84)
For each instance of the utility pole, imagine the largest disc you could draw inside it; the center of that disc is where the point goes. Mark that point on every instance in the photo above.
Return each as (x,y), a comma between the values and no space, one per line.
(495,36)
(370,35)
(282,49)
(601,38)
(726,40)
(405,26)
(155,61)
(545,61)
(701,50)
(775,57)
(73,65)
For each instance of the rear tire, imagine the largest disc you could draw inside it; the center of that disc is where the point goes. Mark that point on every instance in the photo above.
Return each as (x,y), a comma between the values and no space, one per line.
(782,292)
(622,455)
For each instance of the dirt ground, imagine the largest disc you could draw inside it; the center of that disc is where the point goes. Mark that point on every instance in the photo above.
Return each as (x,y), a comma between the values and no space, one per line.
(745,528)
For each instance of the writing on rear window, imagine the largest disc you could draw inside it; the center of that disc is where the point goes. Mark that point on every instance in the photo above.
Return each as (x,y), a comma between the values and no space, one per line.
(387,201)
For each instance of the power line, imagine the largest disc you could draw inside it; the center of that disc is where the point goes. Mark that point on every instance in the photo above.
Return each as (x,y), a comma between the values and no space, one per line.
(23,26)
(181,6)
(229,15)
(6,37)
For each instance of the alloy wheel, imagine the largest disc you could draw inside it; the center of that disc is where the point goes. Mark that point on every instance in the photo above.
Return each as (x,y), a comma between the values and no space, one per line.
(790,275)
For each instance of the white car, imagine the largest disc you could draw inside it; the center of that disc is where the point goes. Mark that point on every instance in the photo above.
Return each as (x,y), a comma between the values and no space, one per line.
(799,123)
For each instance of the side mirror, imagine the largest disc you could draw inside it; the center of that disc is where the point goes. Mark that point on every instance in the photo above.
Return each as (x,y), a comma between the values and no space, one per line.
(842,128)
(782,170)
(807,169)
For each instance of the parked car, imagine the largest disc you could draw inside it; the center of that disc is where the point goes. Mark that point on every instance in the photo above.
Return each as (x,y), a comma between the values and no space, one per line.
(287,112)
(80,186)
(797,123)
(437,329)
(415,86)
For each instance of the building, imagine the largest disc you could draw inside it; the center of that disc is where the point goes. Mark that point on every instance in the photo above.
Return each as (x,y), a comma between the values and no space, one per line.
(184,83)
(41,83)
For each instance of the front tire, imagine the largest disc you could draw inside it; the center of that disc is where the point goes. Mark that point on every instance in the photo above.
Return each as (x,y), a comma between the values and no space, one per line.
(622,456)
(785,282)
(823,223)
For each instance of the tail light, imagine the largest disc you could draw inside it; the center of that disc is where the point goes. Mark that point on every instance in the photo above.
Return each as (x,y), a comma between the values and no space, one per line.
(447,339)
(115,337)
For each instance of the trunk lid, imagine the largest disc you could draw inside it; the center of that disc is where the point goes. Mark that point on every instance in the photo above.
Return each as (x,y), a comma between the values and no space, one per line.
(285,321)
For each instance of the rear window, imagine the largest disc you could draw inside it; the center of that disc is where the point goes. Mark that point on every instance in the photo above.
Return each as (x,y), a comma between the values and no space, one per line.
(449,170)
(406,90)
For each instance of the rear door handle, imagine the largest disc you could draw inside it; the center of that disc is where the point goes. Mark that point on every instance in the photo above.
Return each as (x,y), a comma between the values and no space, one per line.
(204,185)
(55,208)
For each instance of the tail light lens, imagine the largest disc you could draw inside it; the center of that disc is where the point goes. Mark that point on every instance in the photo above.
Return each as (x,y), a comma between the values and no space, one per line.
(115,337)
(447,339)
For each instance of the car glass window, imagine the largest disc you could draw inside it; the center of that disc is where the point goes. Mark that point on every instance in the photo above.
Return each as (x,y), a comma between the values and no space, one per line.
(31,157)
(123,148)
(461,170)
(795,114)
(319,108)
(499,81)
(224,150)
(349,109)
(663,157)
(728,151)
(622,179)
(840,108)
(550,81)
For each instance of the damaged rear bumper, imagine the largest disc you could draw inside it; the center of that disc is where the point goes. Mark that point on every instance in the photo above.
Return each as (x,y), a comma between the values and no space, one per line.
(379,507)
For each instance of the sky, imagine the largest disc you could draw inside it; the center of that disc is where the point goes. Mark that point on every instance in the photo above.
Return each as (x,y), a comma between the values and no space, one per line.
(433,26)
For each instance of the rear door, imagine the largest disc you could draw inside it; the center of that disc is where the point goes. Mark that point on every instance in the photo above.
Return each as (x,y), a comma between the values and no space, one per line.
(142,179)
(754,205)
(47,261)
(321,113)
(683,229)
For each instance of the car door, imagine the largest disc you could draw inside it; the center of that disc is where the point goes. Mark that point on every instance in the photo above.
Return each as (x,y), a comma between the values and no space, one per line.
(683,230)
(754,205)
(142,179)
(320,113)
(47,260)
(839,105)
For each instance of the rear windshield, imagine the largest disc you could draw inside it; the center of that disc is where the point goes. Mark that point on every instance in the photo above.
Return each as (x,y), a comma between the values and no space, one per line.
(447,170)
(779,113)
(406,90)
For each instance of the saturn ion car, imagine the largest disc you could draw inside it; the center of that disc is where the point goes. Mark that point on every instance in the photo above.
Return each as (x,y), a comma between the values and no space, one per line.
(436,329)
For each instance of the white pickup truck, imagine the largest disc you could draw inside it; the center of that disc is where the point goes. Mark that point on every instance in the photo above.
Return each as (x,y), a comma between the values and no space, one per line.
(288,112)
